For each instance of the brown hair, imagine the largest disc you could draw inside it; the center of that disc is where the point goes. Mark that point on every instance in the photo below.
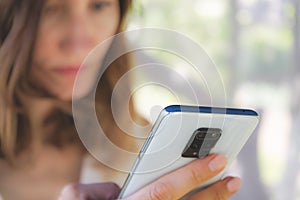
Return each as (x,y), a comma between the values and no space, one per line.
(18,26)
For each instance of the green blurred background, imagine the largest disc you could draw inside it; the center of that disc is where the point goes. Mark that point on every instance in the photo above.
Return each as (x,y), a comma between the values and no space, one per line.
(255,46)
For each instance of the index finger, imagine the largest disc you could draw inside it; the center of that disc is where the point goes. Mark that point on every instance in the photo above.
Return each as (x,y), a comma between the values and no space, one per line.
(179,182)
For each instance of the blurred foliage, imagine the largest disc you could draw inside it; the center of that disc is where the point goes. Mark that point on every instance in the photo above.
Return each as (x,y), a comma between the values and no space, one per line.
(267,54)
(265,34)
(251,44)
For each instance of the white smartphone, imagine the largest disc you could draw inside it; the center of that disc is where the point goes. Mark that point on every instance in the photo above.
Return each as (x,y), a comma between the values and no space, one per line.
(184,133)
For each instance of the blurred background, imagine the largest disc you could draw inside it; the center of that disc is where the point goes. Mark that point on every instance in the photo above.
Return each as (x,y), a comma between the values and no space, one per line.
(255,46)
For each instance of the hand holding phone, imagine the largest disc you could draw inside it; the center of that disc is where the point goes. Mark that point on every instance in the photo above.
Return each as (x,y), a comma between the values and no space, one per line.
(177,183)
(169,186)
(182,134)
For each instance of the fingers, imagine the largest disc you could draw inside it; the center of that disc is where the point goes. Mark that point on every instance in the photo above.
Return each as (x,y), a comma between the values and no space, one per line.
(221,190)
(179,182)
(77,191)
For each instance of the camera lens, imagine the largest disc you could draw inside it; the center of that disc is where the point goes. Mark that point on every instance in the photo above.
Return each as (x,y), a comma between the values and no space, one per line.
(200,135)
(195,146)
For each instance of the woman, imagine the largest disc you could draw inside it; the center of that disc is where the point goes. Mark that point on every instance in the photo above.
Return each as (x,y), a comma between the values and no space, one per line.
(42,45)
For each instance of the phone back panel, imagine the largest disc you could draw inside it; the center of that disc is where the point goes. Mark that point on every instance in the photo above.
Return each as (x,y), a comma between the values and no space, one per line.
(172,131)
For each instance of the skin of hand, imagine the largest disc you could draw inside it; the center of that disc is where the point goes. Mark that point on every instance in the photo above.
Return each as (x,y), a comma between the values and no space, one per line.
(171,186)
(94,191)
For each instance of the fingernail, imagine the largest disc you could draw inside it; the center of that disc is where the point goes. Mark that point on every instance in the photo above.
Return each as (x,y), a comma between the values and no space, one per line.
(234,185)
(217,163)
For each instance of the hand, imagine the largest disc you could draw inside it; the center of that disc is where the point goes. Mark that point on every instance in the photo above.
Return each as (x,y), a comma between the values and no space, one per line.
(179,182)
(95,191)
(169,187)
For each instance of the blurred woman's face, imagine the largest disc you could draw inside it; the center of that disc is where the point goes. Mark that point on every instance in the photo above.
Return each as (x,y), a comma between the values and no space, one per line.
(68,31)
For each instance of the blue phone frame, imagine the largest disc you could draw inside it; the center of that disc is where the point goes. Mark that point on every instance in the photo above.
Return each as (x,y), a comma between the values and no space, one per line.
(215,110)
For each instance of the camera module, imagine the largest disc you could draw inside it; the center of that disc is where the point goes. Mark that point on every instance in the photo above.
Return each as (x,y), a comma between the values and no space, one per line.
(201,142)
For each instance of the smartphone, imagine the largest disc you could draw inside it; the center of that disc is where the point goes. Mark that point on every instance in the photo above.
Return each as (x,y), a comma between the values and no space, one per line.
(184,133)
